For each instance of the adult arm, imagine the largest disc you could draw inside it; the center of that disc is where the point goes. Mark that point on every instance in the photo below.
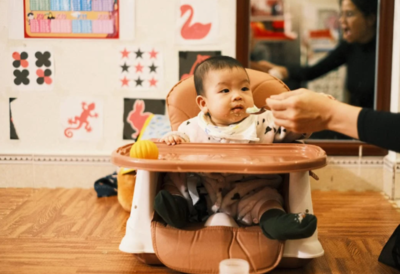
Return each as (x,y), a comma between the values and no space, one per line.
(333,60)
(380,128)
(303,110)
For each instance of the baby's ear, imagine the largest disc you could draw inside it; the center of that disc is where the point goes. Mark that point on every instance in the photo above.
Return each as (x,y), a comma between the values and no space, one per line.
(202,103)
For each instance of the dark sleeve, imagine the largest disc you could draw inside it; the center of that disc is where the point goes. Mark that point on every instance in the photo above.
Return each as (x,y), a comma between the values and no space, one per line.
(333,60)
(379,128)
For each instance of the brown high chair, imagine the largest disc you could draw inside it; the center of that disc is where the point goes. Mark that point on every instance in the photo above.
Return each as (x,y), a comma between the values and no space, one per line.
(199,248)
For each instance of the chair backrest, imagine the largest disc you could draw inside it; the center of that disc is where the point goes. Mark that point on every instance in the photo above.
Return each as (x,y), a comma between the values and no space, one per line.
(181,100)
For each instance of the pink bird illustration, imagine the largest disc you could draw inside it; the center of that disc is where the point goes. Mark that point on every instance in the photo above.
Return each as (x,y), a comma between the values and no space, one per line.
(195,31)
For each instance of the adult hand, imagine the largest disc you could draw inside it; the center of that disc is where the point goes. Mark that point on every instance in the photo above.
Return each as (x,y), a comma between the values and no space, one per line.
(275,70)
(306,111)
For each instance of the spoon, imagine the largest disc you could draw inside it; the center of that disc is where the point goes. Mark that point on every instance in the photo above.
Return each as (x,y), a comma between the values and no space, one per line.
(256,110)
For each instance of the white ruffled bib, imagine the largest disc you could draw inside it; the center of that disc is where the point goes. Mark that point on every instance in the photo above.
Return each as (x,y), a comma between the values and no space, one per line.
(246,130)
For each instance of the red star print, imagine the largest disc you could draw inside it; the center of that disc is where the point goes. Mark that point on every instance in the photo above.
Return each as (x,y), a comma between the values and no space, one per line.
(125,81)
(125,53)
(153,54)
(153,82)
(139,68)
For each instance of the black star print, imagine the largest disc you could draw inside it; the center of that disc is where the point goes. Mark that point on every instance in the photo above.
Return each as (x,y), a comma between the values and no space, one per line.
(275,130)
(279,130)
(268,129)
(263,121)
(284,130)
(125,68)
(188,122)
(153,68)
(139,53)
(139,81)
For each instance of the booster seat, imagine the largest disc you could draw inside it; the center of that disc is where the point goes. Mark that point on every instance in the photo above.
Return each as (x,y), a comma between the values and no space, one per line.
(199,249)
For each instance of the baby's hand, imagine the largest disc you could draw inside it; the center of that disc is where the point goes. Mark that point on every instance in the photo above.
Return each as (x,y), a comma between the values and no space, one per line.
(172,140)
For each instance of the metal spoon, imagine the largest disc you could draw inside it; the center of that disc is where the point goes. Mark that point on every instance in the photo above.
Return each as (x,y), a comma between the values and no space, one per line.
(256,110)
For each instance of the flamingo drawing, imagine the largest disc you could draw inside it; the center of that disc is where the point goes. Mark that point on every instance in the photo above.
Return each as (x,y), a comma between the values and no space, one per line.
(200,58)
(195,31)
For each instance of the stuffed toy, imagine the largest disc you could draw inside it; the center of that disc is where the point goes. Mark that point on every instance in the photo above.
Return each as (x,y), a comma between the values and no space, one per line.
(142,149)
(126,179)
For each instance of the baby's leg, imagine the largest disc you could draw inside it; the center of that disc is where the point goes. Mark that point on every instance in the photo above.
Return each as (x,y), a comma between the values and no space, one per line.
(171,205)
(278,225)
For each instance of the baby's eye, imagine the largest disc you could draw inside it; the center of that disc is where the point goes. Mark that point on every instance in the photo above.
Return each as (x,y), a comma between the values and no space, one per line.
(225,90)
(245,89)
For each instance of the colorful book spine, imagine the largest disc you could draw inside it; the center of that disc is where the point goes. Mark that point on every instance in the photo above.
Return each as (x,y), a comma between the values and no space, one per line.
(82,25)
(103,24)
(61,24)
(60,5)
(40,24)
(102,5)
(40,5)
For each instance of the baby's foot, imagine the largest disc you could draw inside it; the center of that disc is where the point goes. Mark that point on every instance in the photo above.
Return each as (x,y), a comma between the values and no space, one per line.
(279,225)
(172,208)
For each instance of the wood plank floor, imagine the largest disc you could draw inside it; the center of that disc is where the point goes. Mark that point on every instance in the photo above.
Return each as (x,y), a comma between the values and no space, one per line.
(72,231)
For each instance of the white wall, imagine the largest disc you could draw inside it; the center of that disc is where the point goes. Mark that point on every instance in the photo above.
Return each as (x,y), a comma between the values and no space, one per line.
(90,67)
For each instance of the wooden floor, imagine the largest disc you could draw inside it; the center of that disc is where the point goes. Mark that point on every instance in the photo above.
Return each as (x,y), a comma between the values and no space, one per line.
(73,231)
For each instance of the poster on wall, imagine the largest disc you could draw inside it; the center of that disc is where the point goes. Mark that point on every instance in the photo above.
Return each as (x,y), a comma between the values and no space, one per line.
(141,68)
(71,19)
(13,131)
(137,112)
(197,22)
(32,69)
(81,119)
(188,60)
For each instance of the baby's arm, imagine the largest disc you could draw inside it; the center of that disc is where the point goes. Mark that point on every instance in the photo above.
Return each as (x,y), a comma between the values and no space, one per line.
(177,137)
(174,138)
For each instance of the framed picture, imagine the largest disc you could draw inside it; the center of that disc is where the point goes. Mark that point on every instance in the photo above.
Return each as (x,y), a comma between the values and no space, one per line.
(97,19)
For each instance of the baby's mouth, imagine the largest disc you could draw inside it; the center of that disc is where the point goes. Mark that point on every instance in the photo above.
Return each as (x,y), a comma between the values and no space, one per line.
(238,108)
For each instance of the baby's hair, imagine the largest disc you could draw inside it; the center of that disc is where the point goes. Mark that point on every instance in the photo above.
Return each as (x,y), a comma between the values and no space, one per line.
(212,63)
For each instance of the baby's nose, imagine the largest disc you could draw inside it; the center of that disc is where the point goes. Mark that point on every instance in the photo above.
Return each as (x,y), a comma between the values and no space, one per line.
(237,96)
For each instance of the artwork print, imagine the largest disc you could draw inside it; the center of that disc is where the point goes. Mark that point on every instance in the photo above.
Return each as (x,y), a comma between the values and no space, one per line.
(197,22)
(140,68)
(136,112)
(71,19)
(32,69)
(188,60)
(13,131)
(81,118)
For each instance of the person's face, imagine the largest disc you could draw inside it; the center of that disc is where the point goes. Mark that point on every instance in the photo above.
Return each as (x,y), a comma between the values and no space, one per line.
(357,28)
(227,96)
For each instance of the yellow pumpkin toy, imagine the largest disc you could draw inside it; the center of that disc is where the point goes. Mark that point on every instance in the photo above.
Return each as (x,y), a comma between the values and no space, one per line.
(144,149)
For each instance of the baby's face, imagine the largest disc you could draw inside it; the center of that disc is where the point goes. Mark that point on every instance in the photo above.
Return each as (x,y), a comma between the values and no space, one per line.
(227,95)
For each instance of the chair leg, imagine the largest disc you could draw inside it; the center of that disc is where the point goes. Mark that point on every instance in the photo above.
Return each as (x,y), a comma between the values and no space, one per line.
(138,233)
(300,201)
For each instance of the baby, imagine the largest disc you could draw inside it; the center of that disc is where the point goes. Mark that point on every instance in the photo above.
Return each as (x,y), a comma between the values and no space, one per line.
(224,95)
